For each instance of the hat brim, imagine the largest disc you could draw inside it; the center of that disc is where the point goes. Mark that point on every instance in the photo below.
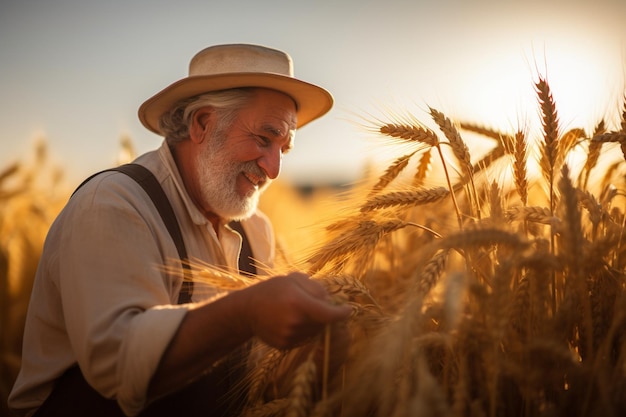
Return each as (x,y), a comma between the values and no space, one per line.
(311,101)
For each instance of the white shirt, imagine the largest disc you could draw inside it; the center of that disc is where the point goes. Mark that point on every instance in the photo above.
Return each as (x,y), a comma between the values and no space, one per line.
(101,297)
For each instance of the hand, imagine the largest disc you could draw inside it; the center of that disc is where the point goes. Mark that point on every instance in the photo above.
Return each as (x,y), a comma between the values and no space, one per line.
(289,310)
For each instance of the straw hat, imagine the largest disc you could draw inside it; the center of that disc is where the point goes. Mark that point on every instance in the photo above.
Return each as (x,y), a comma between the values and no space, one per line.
(239,65)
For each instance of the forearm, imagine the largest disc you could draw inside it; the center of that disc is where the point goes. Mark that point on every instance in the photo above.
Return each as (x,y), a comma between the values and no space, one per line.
(206,334)
(283,312)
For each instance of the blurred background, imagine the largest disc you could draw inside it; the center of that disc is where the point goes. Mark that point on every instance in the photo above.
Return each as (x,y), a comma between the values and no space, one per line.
(73,72)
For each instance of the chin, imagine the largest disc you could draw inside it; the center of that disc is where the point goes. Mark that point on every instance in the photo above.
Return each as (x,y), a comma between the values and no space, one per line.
(241,217)
(241,211)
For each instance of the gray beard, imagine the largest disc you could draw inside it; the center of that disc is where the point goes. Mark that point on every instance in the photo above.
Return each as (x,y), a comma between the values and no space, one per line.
(218,182)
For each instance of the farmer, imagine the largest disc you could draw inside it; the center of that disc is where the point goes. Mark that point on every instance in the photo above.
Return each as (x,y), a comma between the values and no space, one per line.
(110,331)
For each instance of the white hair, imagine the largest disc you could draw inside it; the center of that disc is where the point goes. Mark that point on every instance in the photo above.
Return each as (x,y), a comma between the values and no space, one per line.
(174,124)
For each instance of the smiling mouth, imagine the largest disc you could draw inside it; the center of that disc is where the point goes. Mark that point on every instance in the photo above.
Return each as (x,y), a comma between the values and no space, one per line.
(255,180)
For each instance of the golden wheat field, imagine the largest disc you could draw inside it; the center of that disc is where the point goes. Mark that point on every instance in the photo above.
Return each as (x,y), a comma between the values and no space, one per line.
(482,285)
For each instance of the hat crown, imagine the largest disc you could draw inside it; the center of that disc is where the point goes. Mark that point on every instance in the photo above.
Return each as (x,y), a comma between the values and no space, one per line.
(228,59)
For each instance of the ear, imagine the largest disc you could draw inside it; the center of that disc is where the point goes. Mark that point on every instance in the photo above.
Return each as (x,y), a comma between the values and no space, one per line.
(201,124)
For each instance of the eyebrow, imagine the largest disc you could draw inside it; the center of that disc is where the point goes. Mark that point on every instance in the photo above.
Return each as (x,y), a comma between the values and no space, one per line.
(279,133)
(272,130)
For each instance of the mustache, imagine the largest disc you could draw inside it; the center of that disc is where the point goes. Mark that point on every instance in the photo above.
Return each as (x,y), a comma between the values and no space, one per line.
(253,168)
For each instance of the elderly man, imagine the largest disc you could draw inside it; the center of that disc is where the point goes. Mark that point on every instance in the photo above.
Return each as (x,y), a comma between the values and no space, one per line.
(109,330)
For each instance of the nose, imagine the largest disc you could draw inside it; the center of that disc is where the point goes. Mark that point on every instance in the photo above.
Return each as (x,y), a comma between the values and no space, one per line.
(271,162)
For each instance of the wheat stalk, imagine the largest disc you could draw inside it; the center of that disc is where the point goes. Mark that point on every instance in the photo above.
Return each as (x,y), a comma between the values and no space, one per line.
(348,285)
(359,242)
(534,214)
(487,160)
(619,137)
(572,244)
(405,198)
(593,153)
(519,166)
(565,144)
(550,123)
(459,148)
(301,394)
(219,278)
(519,316)
(429,276)
(589,202)
(423,167)
(262,374)
(391,173)
(475,321)
(609,137)
(483,130)
(410,132)
(495,203)
(505,145)
(622,121)
(482,237)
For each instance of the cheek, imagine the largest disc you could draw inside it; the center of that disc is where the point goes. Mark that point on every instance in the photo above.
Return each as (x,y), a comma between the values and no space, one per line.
(242,151)
(247,153)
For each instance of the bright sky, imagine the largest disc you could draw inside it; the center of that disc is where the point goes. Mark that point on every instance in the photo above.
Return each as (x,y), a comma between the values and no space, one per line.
(75,71)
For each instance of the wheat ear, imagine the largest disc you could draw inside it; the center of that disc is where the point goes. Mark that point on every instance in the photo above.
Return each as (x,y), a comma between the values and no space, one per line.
(519,166)
(410,132)
(391,173)
(589,202)
(260,377)
(572,243)
(423,167)
(534,214)
(405,198)
(461,152)
(459,148)
(482,237)
(550,123)
(506,144)
(619,137)
(429,276)
(301,393)
(359,241)
(593,153)
(482,130)
(348,285)
(487,160)
(565,144)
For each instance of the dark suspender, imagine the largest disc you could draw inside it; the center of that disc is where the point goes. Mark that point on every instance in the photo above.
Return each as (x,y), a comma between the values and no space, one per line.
(151,186)
(246,262)
(210,395)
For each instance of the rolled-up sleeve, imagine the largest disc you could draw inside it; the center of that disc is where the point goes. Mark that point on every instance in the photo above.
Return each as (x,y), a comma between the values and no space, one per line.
(143,331)
(117,298)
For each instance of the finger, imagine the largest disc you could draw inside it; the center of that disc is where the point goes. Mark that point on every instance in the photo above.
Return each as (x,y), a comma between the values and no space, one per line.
(313,287)
(323,311)
(316,303)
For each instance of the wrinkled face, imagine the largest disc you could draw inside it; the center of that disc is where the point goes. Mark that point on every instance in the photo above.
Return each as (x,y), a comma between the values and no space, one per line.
(237,163)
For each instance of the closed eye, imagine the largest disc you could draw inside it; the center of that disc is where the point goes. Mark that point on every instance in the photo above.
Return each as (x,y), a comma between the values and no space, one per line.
(263,140)
(276,135)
